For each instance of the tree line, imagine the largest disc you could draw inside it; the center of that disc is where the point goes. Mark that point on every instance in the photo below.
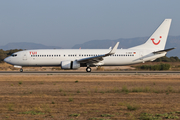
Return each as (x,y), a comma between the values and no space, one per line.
(168,59)
(154,67)
(4,54)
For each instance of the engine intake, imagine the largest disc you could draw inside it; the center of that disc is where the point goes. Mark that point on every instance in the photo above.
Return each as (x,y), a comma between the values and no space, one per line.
(70,65)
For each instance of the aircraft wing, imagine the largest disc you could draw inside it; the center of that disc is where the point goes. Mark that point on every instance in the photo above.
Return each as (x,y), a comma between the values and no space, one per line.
(98,58)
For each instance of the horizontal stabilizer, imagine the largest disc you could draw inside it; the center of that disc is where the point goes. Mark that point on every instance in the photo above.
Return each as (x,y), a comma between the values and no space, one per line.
(162,51)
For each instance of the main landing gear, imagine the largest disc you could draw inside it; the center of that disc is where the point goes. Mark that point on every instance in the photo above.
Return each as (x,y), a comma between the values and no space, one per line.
(21,70)
(88,69)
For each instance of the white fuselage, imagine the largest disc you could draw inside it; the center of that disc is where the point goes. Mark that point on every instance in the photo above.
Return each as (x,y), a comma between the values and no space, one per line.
(54,57)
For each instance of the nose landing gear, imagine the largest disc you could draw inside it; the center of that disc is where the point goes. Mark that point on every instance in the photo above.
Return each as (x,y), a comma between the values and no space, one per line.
(88,69)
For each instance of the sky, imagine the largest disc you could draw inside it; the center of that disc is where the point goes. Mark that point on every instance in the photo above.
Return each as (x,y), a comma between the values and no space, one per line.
(65,23)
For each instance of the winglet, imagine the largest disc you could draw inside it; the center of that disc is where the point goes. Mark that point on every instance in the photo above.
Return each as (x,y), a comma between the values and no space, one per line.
(114,49)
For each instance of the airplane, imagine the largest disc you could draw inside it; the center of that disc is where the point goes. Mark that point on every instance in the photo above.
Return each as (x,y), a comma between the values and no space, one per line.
(152,49)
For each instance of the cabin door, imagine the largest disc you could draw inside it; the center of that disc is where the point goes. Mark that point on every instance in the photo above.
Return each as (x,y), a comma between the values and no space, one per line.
(25,56)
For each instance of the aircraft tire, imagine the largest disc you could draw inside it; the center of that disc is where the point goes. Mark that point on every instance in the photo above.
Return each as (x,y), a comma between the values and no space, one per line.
(21,70)
(88,69)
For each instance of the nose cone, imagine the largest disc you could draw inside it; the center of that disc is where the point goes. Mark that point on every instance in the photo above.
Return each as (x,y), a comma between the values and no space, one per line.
(7,60)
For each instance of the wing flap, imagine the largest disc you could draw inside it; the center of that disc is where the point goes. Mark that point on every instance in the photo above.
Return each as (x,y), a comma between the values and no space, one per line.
(91,59)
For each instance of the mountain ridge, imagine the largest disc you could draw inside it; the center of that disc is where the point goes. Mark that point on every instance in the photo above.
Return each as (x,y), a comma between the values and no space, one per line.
(27,45)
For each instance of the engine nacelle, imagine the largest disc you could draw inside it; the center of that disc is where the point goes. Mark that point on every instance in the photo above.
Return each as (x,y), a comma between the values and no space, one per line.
(70,65)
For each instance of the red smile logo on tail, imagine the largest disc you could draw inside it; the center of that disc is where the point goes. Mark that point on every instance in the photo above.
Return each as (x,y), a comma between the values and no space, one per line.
(157,42)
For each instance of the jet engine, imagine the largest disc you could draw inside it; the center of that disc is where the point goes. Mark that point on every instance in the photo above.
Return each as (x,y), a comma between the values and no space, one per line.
(70,65)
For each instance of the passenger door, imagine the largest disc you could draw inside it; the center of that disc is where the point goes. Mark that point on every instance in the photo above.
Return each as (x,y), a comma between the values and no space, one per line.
(25,56)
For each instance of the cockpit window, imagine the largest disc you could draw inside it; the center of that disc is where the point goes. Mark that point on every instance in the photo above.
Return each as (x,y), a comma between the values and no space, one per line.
(14,55)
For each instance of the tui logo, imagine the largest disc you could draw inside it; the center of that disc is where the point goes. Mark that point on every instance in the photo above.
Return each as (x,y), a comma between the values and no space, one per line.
(157,42)
(33,53)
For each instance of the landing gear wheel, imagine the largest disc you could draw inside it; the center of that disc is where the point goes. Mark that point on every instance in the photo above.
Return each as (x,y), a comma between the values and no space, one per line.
(88,69)
(21,70)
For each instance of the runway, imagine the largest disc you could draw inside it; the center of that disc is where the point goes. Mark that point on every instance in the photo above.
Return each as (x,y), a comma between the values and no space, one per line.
(84,72)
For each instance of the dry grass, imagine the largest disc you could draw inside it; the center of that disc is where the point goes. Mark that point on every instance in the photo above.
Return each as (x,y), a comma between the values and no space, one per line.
(93,96)
(8,67)
(175,66)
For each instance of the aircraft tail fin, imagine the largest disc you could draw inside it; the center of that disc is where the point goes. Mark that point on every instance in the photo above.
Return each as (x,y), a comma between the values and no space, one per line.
(158,39)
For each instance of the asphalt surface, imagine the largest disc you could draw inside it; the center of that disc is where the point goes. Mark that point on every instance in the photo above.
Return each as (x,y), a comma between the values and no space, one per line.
(84,72)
